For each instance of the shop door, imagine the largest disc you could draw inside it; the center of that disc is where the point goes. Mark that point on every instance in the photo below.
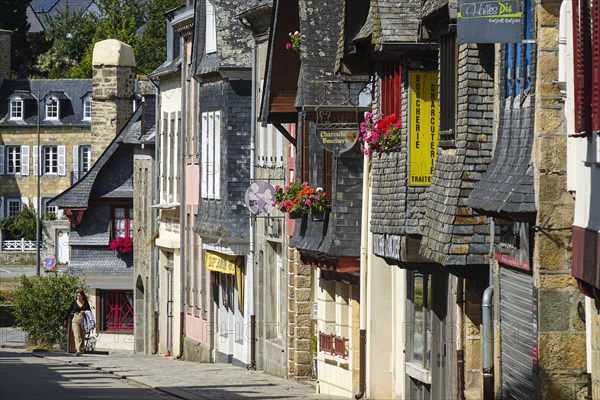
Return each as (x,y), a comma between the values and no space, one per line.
(62,246)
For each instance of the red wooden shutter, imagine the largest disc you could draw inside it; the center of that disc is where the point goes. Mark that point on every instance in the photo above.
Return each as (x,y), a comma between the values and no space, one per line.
(391,88)
(582,68)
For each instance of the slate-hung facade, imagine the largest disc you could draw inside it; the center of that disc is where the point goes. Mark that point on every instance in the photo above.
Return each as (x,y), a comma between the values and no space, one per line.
(222,64)
(100,205)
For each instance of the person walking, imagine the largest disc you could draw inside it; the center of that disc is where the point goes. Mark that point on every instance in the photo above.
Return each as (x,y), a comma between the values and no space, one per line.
(78,308)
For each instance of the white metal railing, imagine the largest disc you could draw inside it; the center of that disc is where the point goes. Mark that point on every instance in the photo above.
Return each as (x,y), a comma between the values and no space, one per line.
(18,245)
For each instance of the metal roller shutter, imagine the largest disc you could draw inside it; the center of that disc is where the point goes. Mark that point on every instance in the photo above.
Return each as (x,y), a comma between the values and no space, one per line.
(517,334)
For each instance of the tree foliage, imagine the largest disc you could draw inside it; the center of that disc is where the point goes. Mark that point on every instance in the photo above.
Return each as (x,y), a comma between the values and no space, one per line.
(40,303)
(21,225)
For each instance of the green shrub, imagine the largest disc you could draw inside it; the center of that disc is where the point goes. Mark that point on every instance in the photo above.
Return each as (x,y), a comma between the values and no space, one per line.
(41,303)
(22,225)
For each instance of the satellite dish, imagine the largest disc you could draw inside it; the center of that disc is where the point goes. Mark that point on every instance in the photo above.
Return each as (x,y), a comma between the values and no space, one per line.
(259,198)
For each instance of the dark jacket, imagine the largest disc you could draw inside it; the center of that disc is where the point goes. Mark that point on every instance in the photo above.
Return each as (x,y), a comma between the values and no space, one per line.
(74,308)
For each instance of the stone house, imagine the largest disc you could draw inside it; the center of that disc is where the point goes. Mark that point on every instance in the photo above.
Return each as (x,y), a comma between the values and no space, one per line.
(50,121)
(221,63)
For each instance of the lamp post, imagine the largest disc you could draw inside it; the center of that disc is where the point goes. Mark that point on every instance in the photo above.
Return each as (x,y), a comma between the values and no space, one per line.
(38,200)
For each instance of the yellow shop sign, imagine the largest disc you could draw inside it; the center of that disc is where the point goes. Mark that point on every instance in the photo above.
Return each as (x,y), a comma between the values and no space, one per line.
(220,263)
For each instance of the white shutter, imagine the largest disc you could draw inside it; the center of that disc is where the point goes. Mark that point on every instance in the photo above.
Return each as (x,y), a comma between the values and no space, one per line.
(35,204)
(210,43)
(2,206)
(24,202)
(36,168)
(210,163)
(75,169)
(1,160)
(278,145)
(62,155)
(24,160)
(204,155)
(217,156)
(270,152)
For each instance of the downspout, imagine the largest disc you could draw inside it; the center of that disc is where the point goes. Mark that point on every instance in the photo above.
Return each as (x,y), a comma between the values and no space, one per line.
(488,324)
(252,220)
(182,221)
(154,252)
(362,384)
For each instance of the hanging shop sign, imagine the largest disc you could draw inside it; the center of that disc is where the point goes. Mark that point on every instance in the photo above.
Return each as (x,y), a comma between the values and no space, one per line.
(423,124)
(259,198)
(337,137)
(513,248)
(488,21)
(220,263)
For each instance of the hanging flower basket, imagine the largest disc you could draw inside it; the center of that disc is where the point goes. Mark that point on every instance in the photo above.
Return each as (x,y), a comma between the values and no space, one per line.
(122,245)
(380,135)
(298,199)
(294,43)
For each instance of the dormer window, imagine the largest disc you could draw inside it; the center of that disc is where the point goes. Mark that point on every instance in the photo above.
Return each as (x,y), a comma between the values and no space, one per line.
(52,108)
(16,108)
(210,44)
(87,108)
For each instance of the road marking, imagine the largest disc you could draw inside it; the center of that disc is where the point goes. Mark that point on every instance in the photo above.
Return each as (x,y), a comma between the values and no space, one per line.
(5,270)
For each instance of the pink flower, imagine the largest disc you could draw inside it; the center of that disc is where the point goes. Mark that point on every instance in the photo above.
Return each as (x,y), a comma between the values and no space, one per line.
(304,183)
(277,187)
(287,46)
(307,202)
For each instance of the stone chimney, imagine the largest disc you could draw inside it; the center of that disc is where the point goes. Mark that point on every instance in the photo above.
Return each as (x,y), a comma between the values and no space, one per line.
(113,89)
(5,49)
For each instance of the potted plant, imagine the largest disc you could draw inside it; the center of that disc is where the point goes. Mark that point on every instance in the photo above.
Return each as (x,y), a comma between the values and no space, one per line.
(294,43)
(122,244)
(381,134)
(299,199)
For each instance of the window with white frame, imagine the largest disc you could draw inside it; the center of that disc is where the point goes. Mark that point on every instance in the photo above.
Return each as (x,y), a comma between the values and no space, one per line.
(211,155)
(123,222)
(52,108)
(13,206)
(210,43)
(50,155)
(48,210)
(85,155)
(16,108)
(87,108)
(13,160)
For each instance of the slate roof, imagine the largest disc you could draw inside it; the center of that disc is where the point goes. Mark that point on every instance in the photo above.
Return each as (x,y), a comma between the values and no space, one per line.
(70,91)
(78,195)
(40,10)
(507,186)
(98,261)
(395,20)
(167,67)
(234,42)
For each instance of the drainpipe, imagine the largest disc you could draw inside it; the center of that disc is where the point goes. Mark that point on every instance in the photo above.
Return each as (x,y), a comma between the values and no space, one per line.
(362,384)
(182,221)
(252,220)
(154,252)
(488,325)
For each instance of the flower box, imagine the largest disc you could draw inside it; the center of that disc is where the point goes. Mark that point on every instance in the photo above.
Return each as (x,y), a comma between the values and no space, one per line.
(380,135)
(299,199)
(122,244)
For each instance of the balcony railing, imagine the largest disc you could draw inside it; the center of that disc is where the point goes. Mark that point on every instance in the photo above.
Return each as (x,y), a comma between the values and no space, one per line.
(332,344)
(19,245)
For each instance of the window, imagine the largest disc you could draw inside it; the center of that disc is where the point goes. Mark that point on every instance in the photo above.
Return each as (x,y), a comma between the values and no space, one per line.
(419,303)
(50,212)
(85,154)
(116,310)
(87,108)
(210,43)
(13,160)
(16,108)
(13,206)
(50,160)
(122,222)
(211,155)
(51,108)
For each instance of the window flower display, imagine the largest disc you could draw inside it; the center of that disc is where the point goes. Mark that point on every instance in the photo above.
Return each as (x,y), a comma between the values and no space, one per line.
(294,43)
(300,198)
(122,245)
(381,134)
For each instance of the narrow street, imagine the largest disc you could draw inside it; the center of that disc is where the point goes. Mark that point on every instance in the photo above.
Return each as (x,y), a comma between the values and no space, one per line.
(26,377)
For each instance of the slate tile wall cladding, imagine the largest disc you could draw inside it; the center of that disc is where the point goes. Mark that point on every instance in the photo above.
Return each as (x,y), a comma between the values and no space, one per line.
(339,235)
(225,217)
(453,234)
(397,21)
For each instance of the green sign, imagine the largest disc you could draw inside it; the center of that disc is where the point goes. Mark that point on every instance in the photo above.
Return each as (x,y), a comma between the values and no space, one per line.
(489,21)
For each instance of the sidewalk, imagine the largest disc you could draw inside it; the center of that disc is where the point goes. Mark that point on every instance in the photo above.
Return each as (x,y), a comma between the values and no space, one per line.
(189,380)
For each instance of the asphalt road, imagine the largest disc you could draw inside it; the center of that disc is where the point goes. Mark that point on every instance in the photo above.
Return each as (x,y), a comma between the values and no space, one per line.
(15,271)
(26,377)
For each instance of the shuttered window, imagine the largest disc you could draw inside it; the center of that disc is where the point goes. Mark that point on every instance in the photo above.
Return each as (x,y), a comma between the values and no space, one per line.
(448,88)
(391,88)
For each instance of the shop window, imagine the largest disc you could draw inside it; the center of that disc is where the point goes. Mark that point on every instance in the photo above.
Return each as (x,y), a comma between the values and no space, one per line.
(419,335)
(116,310)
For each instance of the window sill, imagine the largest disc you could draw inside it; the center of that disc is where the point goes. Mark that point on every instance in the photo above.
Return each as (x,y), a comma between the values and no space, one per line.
(419,373)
